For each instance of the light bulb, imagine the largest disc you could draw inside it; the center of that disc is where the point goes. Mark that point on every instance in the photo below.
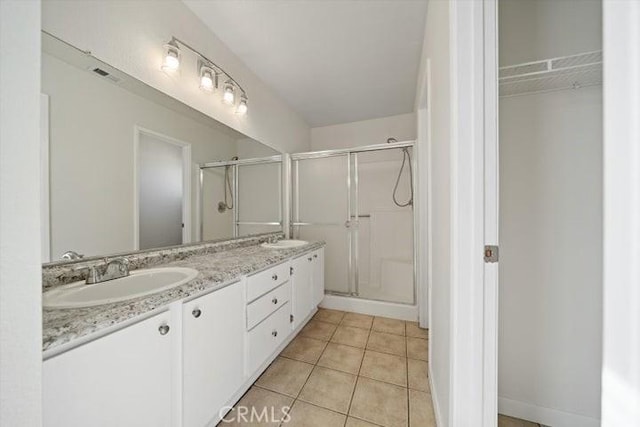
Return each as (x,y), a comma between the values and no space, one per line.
(242,106)
(229,95)
(172,58)
(207,82)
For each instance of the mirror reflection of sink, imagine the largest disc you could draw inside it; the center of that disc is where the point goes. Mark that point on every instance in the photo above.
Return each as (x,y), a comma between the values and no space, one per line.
(139,283)
(285,244)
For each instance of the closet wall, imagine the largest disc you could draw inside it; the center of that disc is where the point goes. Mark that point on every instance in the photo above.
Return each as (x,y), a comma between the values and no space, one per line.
(550,223)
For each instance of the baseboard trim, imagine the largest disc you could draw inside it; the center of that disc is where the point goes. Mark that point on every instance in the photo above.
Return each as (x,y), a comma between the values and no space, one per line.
(434,398)
(546,416)
(371,307)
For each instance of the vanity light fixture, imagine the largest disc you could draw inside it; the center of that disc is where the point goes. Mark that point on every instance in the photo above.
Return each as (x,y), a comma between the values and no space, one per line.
(171,61)
(208,78)
(242,106)
(209,73)
(229,95)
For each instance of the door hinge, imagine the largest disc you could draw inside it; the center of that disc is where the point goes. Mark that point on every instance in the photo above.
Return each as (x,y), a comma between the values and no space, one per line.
(491,253)
(291,318)
(290,271)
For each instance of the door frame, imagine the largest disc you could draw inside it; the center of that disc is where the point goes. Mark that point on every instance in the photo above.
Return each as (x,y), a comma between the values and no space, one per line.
(45,188)
(186,182)
(621,265)
(474,213)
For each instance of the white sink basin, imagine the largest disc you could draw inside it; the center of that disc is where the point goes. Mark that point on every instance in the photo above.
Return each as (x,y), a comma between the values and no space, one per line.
(285,244)
(139,283)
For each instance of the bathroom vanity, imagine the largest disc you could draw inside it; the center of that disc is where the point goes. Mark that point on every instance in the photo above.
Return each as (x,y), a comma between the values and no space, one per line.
(183,356)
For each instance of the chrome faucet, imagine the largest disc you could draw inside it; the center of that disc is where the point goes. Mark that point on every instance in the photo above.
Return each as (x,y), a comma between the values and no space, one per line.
(114,269)
(71,255)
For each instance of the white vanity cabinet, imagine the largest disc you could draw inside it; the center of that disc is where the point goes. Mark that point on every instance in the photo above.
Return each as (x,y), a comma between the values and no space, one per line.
(183,366)
(212,353)
(302,288)
(318,276)
(122,379)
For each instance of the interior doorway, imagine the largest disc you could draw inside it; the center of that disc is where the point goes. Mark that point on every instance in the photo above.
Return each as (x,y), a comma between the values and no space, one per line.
(162,193)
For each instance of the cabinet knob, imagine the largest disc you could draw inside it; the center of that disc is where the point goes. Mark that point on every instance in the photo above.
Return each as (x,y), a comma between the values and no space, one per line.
(309,259)
(274,300)
(196,312)
(164,329)
(274,333)
(274,277)
(315,255)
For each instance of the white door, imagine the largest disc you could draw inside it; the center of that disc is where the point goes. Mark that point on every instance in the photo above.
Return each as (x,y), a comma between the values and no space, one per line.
(301,289)
(213,353)
(160,192)
(123,379)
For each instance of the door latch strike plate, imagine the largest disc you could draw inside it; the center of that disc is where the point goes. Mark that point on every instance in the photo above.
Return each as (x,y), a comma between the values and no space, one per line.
(491,253)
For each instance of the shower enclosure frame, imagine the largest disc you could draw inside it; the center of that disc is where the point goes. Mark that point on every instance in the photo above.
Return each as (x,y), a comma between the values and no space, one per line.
(235,164)
(353,214)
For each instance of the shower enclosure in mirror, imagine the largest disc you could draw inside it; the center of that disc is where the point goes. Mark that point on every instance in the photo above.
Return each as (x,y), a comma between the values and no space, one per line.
(360,201)
(121,164)
(245,194)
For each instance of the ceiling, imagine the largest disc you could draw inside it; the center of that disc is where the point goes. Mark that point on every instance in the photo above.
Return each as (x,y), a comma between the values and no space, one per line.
(333,61)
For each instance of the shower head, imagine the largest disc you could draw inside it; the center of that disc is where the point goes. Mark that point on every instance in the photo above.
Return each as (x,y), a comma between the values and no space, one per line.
(235,158)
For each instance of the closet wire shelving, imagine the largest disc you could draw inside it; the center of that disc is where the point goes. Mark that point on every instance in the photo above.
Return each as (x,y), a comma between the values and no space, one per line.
(564,72)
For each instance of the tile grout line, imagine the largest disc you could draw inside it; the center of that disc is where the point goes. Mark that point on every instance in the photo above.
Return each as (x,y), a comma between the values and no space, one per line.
(355,386)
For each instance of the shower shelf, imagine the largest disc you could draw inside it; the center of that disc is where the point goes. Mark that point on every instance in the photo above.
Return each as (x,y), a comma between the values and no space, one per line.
(565,72)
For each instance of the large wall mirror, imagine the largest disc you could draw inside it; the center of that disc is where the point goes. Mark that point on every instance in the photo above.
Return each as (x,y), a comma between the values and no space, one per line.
(126,167)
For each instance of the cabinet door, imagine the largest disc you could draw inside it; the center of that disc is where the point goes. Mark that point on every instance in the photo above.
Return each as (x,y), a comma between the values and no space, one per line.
(318,277)
(122,379)
(302,292)
(213,353)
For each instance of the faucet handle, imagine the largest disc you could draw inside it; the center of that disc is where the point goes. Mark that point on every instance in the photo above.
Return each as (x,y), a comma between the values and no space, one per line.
(93,275)
(122,263)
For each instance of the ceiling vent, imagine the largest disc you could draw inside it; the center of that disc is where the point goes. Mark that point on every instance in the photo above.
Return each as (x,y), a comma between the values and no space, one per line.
(105,74)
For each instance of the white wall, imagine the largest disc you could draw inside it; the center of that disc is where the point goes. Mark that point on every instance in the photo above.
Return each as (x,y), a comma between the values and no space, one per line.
(551,251)
(20,275)
(130,35)
(367,132)
(436,49)
(91,156)
(550,224)
(534,30)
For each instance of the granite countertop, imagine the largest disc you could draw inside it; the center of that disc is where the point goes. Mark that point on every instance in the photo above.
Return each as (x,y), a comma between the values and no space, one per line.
(216,270)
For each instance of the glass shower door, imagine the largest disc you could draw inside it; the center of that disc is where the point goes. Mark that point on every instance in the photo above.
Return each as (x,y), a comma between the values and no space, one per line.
(321,209)
(383,239)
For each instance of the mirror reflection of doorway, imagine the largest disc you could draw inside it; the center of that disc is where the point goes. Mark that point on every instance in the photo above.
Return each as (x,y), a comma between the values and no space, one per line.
(162,196)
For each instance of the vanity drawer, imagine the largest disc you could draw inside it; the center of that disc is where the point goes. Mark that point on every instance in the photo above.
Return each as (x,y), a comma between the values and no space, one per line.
(261,283)
(267,304)
(265,338)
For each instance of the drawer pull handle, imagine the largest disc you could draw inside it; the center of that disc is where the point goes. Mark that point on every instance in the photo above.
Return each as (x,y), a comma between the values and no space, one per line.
(274,277)
(163,329)
(196,312)
(274,333)
(274,300)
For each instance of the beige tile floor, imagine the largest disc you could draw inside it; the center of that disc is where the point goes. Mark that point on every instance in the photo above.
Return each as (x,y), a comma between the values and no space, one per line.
(345,369)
